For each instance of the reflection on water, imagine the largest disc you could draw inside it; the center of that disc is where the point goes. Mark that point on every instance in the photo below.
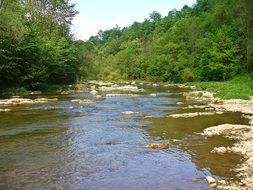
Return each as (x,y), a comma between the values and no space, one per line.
(65,145)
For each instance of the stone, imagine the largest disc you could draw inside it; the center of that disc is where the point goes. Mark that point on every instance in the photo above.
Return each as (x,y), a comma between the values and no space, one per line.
(148,117)
(21,101)
(129,112)
(5,110)
(219,150)
(35,92)
(94,92)
(119,95)
(210,180)
(222,182)
(121,88)
(82,101)
(157,146)
(98,96)
(195,114)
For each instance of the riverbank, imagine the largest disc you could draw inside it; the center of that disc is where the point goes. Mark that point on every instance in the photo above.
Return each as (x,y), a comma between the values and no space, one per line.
(240,87)
(230,96)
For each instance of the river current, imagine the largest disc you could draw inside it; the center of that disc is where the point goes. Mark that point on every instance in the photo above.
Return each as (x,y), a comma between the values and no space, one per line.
(66,145)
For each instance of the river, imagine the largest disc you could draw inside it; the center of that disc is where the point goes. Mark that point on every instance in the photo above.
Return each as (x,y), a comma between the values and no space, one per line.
(66,145)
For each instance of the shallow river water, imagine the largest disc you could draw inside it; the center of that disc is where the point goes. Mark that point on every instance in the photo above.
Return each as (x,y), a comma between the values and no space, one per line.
(65,145)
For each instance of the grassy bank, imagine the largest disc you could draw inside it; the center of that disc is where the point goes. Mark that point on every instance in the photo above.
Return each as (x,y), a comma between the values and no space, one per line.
(240,87)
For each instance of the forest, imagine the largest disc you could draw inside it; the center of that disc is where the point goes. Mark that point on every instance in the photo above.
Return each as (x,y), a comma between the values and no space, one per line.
(36,46)
(210,41)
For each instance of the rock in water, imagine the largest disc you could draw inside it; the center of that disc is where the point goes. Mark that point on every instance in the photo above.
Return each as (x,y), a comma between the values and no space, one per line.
(157,146)
(94,92)
(82,101)
(129,112)
(211,181)
(5,110)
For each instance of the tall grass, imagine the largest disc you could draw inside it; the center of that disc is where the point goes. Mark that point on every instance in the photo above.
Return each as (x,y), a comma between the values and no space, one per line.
(241,87)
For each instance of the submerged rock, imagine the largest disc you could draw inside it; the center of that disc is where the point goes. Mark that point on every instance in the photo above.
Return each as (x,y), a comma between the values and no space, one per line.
(188,115)
(148,117)
(20,101)
(5,110)
(45,100)
(121,88)
(118,95)
(129,112)
(82,101)
(244,136)
(98,96)
(225,129)
(157,146)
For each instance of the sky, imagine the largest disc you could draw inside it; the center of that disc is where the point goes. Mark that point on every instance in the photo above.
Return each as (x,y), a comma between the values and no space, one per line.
(106,14)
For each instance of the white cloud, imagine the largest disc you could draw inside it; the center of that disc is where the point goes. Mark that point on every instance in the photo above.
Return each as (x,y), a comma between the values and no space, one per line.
(83,28)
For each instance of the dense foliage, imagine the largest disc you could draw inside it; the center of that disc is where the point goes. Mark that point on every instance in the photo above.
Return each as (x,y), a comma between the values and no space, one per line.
(210,41)
(36,48)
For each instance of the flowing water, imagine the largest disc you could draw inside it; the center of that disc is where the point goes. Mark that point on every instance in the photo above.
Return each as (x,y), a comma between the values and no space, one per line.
(65,145)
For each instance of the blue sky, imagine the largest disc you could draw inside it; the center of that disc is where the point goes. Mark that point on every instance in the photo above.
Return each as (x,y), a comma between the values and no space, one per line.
(105,14)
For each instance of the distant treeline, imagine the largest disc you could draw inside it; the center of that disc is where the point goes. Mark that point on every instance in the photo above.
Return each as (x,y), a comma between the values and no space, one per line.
(211,41)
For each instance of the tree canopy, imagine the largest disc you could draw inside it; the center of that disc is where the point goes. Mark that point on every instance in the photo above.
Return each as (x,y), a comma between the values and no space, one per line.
(36,47)
(210,41)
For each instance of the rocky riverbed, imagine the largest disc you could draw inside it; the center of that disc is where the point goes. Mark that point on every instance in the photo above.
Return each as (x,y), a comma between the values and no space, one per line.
(243,134)
(102,134)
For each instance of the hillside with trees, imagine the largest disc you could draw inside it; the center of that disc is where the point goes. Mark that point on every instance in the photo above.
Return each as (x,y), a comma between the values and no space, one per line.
(211,41)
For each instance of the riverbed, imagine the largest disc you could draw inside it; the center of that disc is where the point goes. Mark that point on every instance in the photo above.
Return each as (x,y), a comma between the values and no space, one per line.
(102,143)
